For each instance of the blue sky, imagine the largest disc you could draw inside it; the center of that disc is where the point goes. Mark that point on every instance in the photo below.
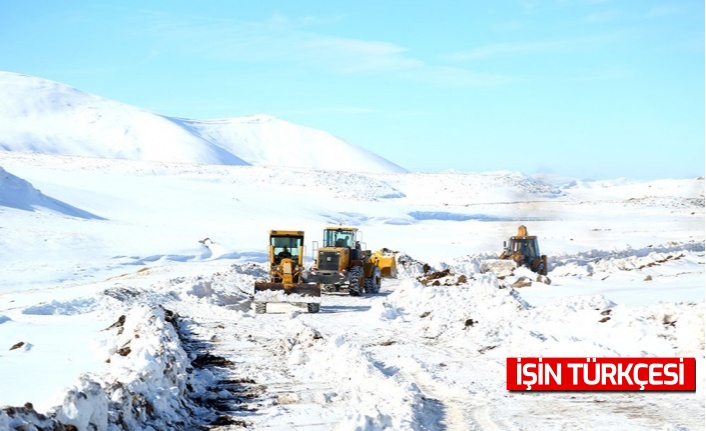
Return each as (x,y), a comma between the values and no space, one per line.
(580,88)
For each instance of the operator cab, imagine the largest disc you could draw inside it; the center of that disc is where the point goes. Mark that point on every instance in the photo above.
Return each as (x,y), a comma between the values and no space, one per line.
(286,246)
(337,237)
(527,247)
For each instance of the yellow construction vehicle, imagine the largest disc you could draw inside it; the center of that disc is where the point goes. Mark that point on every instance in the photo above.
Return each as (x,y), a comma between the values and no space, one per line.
(520,250)
(342,265)
(386,260)
(286,274)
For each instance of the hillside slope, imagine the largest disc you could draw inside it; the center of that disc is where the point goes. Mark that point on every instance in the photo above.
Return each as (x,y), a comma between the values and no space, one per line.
(262,140)
(20,194)
(42,116)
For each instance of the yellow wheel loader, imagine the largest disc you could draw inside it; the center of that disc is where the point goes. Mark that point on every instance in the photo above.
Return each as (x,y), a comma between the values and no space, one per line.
(341,264)
(286,274)
(520,250)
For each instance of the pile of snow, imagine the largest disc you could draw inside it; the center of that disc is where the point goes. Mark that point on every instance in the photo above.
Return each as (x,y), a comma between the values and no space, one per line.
(144,384)
(494,317)
(602,262)
(42,116)
(437,312)
(231,289)
(407,266)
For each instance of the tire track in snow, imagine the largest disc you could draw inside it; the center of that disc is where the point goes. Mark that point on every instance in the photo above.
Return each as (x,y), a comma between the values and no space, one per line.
(402,355)
(271,394)
(362,393)
(460,407)
(299,377)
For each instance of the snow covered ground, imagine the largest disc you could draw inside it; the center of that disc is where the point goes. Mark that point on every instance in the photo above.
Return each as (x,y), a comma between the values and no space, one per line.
(113,314)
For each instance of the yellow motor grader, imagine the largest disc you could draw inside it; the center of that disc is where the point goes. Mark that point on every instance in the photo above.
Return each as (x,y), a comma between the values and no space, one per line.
(341,264)
(521,250)
(286,274)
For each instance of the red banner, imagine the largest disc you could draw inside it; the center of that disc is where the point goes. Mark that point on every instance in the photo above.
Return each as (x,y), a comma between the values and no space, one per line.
(601,374)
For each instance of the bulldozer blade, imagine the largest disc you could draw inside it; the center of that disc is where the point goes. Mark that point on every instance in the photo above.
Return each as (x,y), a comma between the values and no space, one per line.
(312,289)
(500,267)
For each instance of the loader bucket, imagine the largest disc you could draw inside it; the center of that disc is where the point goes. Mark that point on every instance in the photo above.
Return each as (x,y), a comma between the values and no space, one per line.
(499,267)
(386,261)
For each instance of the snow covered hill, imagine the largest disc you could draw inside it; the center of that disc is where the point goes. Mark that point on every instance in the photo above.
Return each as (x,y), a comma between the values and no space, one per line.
(42,116)
(262,140)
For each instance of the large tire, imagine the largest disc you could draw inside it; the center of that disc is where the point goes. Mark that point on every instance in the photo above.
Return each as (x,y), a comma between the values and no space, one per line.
(312,307)
(355,279)
(372,283)
(539,265)
(540,269)
(545,265)
(260,307)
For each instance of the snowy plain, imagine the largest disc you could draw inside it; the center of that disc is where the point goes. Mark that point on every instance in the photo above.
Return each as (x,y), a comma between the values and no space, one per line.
(116,314)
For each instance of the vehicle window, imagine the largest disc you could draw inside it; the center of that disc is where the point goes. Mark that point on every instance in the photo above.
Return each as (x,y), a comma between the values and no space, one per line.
(336,238)
(292,243)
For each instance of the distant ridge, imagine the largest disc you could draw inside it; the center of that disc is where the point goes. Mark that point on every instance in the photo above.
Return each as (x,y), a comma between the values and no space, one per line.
(18,193)
(42,116)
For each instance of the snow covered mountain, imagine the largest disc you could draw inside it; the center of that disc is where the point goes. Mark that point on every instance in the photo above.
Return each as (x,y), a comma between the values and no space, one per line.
(43,116)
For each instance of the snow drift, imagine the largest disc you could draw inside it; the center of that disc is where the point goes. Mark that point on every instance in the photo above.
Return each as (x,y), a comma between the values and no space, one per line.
(18,193)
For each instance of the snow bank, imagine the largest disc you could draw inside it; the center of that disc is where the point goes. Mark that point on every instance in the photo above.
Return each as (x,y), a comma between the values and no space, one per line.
(484,315)
(609,261)
(144,384)
(147,381)
(65,308)
(232,289)
(480,307)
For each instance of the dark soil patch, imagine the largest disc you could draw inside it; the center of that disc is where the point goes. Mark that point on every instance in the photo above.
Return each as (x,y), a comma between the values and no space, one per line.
(208,360)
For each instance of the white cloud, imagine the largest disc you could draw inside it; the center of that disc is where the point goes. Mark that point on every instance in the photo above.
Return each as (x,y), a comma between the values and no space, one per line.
(353,55)
(602,16)
(354,110)
(281,40)
(663,10)
(509,49)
